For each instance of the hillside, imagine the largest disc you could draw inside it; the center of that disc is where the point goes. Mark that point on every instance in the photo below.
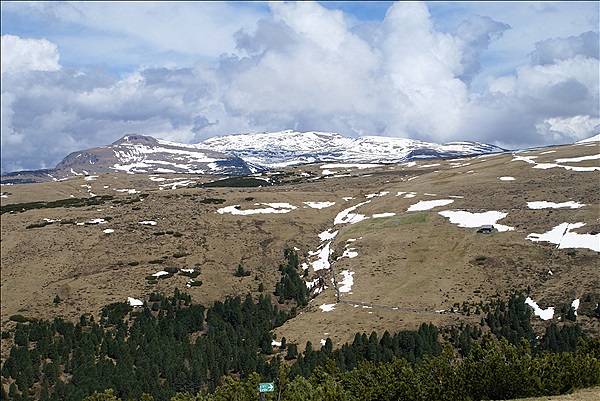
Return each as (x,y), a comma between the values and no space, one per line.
(390,236)
(240,154)
(272,150)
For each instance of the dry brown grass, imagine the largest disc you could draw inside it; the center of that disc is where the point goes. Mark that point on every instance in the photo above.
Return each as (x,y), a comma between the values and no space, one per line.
(411,260)
(586,394)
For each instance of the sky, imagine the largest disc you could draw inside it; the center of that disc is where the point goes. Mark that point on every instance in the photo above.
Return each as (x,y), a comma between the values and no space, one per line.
(77,75)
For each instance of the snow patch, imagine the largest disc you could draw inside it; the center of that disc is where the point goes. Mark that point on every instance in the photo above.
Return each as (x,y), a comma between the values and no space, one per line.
(544,314)
(327,235)
(381,215)
(345,216)
(562,236)
(274,208)
(319,205)
(382,193)
(578,159)
(129,191)
(134,302)
(472,220)
(346,284)
(552,205)
(322,261)
(93,221)
(575,305)
(426,205)
(327,307)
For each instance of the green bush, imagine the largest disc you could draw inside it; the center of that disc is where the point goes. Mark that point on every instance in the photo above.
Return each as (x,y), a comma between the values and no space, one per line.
(194,283)
(39,225)
(69,202)
(214,201)
(157,261)
(18,318)
(133,263)
(240,272)
(237,182)
(180,255)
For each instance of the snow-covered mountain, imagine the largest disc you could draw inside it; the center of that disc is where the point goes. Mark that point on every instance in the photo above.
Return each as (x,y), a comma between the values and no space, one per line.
(243,154)
(136,154)
(144,154)
(285,148)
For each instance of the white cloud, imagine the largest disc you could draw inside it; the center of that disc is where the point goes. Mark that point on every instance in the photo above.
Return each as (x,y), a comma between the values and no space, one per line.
(492,75)
(140,33)
(19,55)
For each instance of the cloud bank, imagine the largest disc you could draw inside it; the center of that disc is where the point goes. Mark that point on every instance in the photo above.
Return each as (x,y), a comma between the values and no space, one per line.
(306,67)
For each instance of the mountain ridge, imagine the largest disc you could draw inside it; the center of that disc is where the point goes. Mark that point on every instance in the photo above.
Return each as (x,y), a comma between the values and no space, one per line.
(241,154)
(289,147)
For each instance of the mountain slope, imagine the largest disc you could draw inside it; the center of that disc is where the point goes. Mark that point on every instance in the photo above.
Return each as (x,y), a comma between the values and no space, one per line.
(243,154)
(286,148)
(400,240)
(144,154)
(137,154)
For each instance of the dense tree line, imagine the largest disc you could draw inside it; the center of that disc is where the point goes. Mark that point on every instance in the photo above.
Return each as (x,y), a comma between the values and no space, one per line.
(171,347)
(493,370)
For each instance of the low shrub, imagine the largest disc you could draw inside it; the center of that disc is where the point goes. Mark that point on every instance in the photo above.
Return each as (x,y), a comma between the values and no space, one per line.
(215,201)
(18,318)
(237,182)
(39,225)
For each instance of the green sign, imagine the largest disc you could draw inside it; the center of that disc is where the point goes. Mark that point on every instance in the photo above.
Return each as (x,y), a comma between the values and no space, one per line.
(266,387)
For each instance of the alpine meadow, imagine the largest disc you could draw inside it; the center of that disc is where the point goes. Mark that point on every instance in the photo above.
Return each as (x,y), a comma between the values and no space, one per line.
(300,201)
